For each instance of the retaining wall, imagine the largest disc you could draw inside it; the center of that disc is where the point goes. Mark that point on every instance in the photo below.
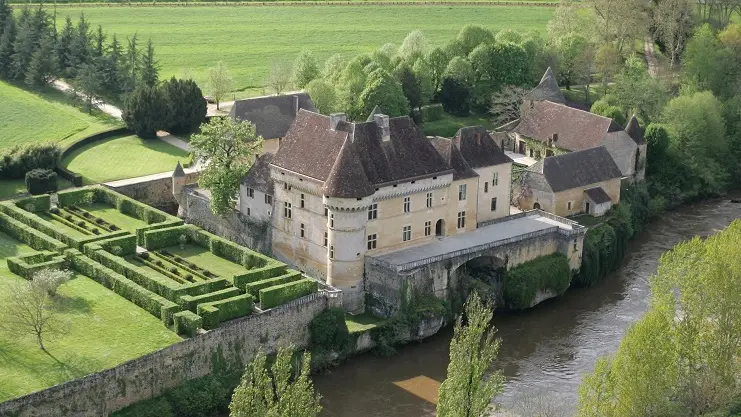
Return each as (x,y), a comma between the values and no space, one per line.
(74,177)
(155,190)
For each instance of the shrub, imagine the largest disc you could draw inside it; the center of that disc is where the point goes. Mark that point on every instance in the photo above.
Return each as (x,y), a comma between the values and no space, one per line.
(71,199)
(255,287)
(41,181)
(546,273)
(281,294)
(29,265)
(273,270)
(155,407)
(187,106)
(54,210)
(187,322)
(329,331)
(432,113)
(15,162)
(29,235)
(36,204)
(216,312)
(96,231)
(173,269)
(163,237)
(190,302)
(145,111)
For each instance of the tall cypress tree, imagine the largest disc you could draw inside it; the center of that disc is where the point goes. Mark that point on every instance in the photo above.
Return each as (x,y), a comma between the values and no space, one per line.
(64,45)
(5,12)
(7,40)
(98,42)
(23,48)
(132,64)
(113,72)
(149,68)
(43,66)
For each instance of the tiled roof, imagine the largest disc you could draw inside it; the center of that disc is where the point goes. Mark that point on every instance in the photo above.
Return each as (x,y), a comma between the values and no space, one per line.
(598,195)
(478,147)
(576,129)
(272,116)
(634,131)
(258,177)
(451,155)
(347,178)
(577,169)
(548,89)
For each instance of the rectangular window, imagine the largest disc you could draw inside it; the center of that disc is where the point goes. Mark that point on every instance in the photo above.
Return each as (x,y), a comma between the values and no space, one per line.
(248,211)
(303,231)
(326,239)
(461,192)
(326,211)
(373,212)
(406,233)
(287,210)
(268,199)
(486,187)
(372,241)
(429,200)
(428,228)
(285,185)
(494,204)
(461,219)
(568,205)
(303,201)
(331,252)
(407,204)
(331,220)
(495,181)
(250,193)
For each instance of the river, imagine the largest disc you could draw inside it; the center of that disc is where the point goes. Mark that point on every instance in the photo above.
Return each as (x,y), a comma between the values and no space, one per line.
(545,350)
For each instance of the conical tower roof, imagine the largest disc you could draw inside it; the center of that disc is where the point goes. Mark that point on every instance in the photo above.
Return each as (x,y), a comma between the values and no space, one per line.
(178,171)
(634,130)
(548,89)
(376,110)
(347,178)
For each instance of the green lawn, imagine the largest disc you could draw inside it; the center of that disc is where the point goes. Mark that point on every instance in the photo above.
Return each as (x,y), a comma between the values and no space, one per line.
(248,38)
(362,322)
(124,157)
(449,124)
(205,259)
(113,216)
(102,330)
(27,117)
(74,233)
(12,188)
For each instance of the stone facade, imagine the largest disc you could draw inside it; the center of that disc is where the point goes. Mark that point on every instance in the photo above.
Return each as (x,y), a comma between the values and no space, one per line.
(255,203)
(155,190)
(569,202)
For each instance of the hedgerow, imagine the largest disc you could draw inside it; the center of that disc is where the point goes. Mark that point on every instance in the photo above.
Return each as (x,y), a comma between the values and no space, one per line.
(274,269)
(281,294)
(127,244)
(255,287)
(79,196)
(29,235)
(15,162)
(219,311)
(546,273)
(187,323)
(28,265)
(35,204)
(190,302)
(164,237)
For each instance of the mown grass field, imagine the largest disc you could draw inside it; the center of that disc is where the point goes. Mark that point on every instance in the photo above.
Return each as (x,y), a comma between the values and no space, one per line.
(449,124)
(29,117)
(249,38)
(124,157)
(102,330)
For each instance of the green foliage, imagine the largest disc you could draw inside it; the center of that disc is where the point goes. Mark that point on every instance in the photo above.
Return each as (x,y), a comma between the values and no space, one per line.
(281,294)
(190,302)
(230,146)
(16,161)
(29,235)
(187,323)
(410,85)
(469,385)
(432,113)
(574,57)
(305,69)
(164,237)
(461,70)
(323,95)
(329,332)
(255,287)
(270,270)
(41,181)
(27,266)
(187,105)
(546,273)
(382,89)
(613,112)
(413,47)
(146,111)
(636,92)
(215,312)
(454,97)
(657,143)
(472,36)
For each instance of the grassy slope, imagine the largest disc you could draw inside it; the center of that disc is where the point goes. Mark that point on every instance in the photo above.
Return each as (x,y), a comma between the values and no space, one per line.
(27,117)
(248,38)
(126,157)
(104,330)
(449,124)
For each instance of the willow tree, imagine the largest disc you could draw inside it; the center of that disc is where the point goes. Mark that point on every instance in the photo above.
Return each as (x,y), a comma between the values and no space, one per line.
(471,384)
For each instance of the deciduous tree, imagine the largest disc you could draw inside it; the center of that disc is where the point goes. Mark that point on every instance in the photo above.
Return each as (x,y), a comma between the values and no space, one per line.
(323,95)
(673,22)
(636,92)
(382,89)
(305,69)
(472,36)
(279,77)
(506,103)
(414,46)
(219,82)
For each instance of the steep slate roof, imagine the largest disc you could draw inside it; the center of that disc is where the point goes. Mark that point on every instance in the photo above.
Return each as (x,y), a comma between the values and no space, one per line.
(576,129)
(478,147)
(347,178)
(598,195)
(178,171)
(258,177)
(451,155)
(634,131)
(272,116)
(376,110)
(548,89)
(311,148)
(577,169)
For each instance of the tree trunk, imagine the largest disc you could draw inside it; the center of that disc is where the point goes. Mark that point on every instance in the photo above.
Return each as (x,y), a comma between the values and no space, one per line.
(40,341)
(217,104)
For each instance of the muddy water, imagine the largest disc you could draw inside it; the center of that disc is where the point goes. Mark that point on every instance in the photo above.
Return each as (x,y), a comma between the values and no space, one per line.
(545,351)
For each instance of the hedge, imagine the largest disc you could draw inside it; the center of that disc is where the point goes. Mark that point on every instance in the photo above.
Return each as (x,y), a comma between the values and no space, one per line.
(190,302)
(29,235)
(36,204)
(216,312)
(153,303)
(274,269)
(168,223)
(546,273)
(26,266)
(281,294)
(432,112)
(74,177)
(255,287)
(41,181)
(80,196)
(187,323)
(126,243)
(164,237)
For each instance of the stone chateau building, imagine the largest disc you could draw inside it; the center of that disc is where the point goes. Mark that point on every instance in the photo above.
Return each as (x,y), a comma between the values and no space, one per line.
(336,191)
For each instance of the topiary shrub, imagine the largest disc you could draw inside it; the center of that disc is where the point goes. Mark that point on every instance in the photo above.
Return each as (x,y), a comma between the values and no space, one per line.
(41,181)
(96,231)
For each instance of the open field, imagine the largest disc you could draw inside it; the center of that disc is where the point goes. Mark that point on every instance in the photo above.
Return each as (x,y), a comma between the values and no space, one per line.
(247,39)
(449,124)
(103,330)
(27,117)
(125,157)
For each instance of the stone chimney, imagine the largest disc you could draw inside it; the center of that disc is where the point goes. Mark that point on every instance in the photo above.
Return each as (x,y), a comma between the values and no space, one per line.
(336,118)
(383,122)
(295,105)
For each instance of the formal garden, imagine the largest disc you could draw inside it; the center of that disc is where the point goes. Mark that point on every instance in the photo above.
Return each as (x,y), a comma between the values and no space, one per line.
(178,275)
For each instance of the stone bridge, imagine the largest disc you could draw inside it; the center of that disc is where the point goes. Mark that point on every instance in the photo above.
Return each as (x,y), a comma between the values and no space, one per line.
(432,268)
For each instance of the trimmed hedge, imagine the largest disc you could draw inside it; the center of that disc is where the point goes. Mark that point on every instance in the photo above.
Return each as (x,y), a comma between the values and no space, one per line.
(187,323)
(281,294)
(546,273)
(216,312)
(41,181)
(274,269)
(255,287)
(26,266)
(79,196)
(164,237)
(74,177)
(126,243)
(432,112)
(167,223)
(190,302)
(126,288)
(29,235)
(36,204)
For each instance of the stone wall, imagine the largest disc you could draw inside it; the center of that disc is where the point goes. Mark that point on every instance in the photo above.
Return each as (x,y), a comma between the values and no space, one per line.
(155,190)
(235,226)
(235,343)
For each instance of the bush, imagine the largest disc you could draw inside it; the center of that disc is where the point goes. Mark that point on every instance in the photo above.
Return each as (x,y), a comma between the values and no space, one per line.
(145,111)
(546,273)
(281,294)
(79,196)
(41,181)
(187,105)
(255,287)
(37,204)
(155,407)
(27,266)
(215,312)
(15,162)
(190,302)
(162,238)
(329,331)
(454,97)
(432,113)
(187,323)
(273,270)
(29,235)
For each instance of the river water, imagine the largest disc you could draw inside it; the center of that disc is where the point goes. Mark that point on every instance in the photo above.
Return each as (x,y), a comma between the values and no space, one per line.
(545,350)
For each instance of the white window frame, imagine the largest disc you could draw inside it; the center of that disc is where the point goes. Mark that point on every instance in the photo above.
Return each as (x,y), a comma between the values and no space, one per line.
(303,200)
(462,192)
(428,228)
(495,180)
(287,212)
(461,220)
(406,233)
(493,204)
(302,231)
(250,192)
(372,241)
(429,200)
(373,211)
(331,252)
(326,239)
(407,204)
(486,187)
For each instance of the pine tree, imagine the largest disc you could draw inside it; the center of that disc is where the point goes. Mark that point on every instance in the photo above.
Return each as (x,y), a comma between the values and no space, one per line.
(133,64)
(99,42)
(149,66)
(7,40)
(80,48)
(5,12)
(23,47)
(64,45)
(113,73)
(88,78)
(43,67)
(145,111)
(187,105)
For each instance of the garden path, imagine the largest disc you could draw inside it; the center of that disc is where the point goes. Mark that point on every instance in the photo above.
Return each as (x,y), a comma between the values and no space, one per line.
(105,108)
(173,140)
